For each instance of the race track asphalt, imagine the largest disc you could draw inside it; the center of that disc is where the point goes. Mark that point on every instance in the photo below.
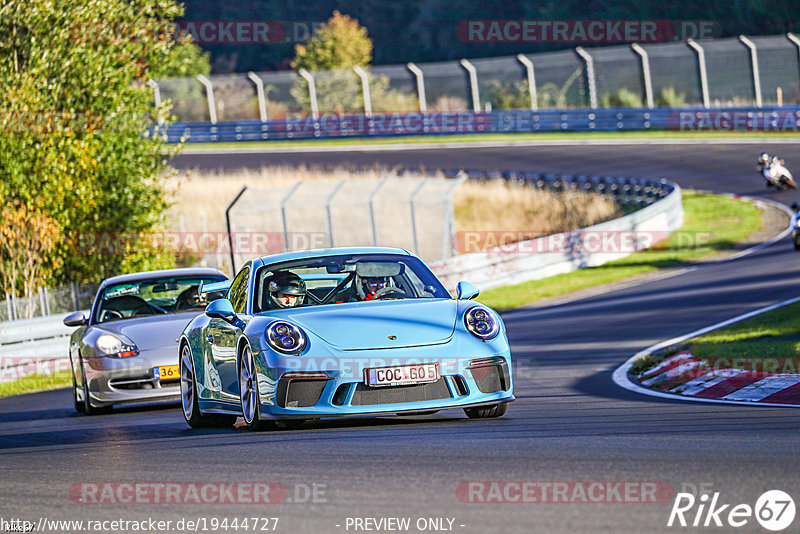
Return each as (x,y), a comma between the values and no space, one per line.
(570,422)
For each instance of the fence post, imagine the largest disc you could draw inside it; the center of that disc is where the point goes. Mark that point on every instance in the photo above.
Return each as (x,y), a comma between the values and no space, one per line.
(46,301)
(449,222)
(473,84)
(417,72)
(364,89)
(411,201)
(328,202)
(41,302)
(796,40)
(371,201)
(312,92)
(754,64)
(587,58)
(156,98)
(701,65)
(648,82)
(76,298)
(262,99)
(228,226)
(528,64)
(212,107)
(284,221)
(9,307)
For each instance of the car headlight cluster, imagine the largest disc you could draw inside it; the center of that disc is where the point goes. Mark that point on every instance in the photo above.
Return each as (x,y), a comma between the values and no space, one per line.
(111,345)
(286,337)
(481,323)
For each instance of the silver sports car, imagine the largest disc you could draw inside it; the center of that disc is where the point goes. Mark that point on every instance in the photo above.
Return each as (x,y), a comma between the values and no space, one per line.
(124,352)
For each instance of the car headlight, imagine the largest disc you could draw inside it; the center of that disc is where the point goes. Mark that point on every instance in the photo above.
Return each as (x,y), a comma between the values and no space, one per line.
(111,345)
(481,323)
(286,337)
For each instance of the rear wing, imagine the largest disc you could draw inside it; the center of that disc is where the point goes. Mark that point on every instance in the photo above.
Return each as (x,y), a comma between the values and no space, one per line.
(206,287)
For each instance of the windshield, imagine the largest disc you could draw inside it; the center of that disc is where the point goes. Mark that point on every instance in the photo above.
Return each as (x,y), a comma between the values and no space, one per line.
(156,296)
(340,279)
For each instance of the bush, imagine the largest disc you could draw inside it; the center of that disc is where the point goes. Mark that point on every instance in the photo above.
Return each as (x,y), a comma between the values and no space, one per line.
(623,98)
(668,97)
(75,113)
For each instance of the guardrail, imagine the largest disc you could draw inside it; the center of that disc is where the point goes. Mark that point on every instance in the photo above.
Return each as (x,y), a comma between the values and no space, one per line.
(588,247)
(304,126)
(39,345)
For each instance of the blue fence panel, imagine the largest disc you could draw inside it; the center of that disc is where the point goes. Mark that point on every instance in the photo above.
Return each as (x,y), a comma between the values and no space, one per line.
(783,119)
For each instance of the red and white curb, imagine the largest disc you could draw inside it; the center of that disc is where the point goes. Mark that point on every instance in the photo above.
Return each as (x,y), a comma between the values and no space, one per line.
(693,378)
(727,386)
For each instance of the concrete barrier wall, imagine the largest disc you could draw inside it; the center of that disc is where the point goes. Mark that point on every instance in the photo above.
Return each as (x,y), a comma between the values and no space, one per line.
(562,253)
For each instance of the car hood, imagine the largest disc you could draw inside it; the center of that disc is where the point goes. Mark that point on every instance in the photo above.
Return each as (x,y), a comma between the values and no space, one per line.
(368,325)
(150,332)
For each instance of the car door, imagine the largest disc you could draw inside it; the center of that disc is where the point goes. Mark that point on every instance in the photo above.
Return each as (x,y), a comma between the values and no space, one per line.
(222,336)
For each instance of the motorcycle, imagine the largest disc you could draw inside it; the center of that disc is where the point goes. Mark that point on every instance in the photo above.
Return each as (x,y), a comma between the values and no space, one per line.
(776,174)
(794,224)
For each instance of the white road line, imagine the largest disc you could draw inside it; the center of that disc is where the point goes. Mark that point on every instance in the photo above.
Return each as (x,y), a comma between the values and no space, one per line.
(763,388)
(395,147)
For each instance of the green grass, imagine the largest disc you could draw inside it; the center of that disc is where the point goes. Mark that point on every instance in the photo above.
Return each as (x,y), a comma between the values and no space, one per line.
(780,322)
(771,339)
(769,342)
(33,383)
(500,137)
(712,224)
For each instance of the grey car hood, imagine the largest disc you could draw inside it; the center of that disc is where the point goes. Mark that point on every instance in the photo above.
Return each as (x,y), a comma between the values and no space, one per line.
(152,332)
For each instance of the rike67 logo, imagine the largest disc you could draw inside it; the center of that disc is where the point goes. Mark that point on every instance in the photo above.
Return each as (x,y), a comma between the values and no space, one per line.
(774,510)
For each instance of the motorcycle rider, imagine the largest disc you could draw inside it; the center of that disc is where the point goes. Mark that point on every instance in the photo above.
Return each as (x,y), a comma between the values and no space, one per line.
(765,161)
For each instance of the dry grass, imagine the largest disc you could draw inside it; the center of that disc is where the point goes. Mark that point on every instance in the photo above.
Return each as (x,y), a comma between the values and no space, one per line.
(200,200)
(199,196)
(522,212)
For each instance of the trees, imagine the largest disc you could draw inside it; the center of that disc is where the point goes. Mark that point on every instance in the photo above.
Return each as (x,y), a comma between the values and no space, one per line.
(81,145)
(341,43)
(335,48)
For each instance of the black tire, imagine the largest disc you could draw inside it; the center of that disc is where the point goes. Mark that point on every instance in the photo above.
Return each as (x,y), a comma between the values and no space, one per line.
(195,418)
(248,394)
(487,412)
(78,403)
(787,183)
(88,407)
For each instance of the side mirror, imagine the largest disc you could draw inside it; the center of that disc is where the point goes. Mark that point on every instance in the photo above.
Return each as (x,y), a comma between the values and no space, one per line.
(75,319)
(221,309)
(466,291)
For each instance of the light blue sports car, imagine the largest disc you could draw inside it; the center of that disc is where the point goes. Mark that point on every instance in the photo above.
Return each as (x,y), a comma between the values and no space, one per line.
(341,332)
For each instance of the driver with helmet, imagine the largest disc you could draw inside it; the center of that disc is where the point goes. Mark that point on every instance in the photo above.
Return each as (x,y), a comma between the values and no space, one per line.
(286,290)
(369,286)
